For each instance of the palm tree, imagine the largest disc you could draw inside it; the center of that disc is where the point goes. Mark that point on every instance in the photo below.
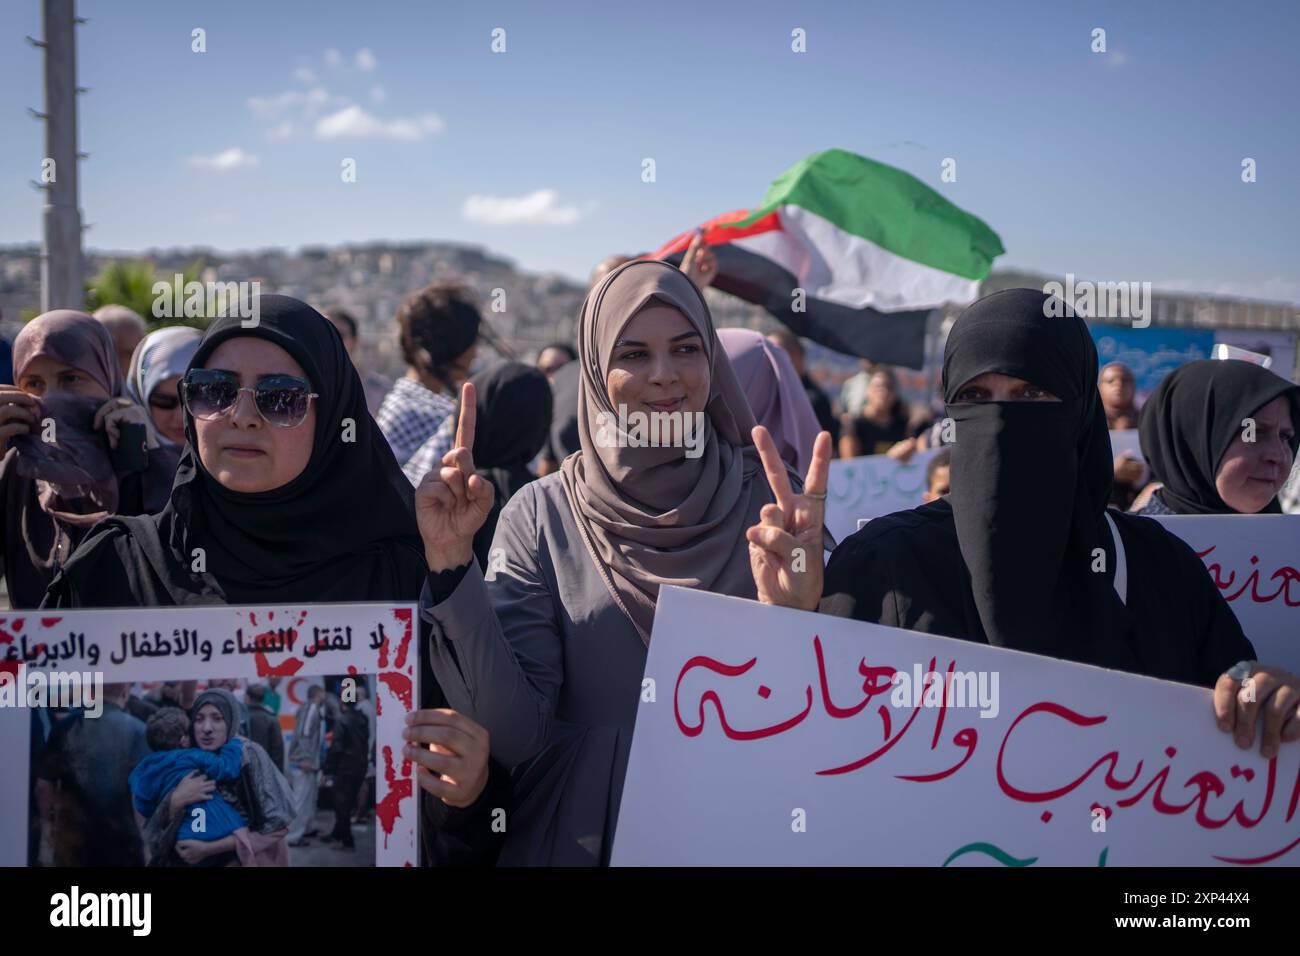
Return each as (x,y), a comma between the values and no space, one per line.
(131,283)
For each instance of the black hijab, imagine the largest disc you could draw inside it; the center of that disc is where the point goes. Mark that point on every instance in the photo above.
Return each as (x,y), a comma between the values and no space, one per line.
(514,417)
(343,530)
(1193,417)
(513,403)
(1030,481)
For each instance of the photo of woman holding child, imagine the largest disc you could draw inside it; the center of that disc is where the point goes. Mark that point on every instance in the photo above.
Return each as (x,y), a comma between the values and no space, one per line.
(207,795)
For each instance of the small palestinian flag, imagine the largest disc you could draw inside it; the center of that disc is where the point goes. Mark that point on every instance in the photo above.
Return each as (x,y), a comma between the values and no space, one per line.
(872,248)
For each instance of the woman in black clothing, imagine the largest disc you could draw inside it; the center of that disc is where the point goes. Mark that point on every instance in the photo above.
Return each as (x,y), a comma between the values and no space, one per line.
(882,422)
(513,401)
(1220,436)
(286,493)
(1007,557)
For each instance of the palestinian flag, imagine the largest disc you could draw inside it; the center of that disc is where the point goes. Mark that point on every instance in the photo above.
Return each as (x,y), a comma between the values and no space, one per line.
(872,247)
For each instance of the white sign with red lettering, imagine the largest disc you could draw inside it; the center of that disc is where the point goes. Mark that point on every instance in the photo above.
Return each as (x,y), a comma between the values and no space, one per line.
(198,643)
(768,736)
(1255,562)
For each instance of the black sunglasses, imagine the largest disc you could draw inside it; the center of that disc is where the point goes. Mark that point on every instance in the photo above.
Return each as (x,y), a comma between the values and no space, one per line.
(281,400)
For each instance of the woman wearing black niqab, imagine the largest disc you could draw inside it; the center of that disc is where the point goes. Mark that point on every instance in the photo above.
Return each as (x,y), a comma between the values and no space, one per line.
(1195,439)
(1006,558)
(342,529)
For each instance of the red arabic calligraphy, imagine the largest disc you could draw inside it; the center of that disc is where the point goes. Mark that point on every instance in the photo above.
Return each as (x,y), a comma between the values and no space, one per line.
(1286,575)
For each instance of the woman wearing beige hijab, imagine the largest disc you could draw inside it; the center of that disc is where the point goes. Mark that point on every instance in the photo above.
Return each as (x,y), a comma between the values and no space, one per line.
(547,647)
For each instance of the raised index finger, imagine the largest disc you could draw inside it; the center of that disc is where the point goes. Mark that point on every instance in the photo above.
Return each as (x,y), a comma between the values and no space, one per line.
(820,466)
(465,425)
(775,468)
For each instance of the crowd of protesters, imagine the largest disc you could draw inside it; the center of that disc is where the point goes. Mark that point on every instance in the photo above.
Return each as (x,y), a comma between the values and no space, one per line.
(535,548)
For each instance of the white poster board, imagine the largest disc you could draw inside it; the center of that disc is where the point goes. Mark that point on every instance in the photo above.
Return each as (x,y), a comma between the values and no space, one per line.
(1125,440)
(774,738)
(871,486)
(147,644)
(859,489)
(1255,562)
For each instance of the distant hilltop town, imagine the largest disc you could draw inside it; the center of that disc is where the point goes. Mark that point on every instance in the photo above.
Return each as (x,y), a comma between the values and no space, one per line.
(525,310)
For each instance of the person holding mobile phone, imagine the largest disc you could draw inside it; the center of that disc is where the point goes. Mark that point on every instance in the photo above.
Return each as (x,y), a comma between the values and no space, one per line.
(75,449)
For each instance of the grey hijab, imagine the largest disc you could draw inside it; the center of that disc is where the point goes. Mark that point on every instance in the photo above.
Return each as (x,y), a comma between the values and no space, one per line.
(160,355)
(652,516)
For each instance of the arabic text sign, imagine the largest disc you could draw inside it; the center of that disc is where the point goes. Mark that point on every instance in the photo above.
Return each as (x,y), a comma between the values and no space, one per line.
(146,644)
(1255,561)
(871,486)
(776,737)
(862,488)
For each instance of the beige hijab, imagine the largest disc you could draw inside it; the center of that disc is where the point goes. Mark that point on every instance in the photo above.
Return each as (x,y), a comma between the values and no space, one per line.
(652,516)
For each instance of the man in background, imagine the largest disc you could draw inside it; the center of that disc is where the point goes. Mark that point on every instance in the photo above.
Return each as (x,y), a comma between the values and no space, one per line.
(820,402)
(375,385)
(82,787)
(264,726)
(304,763)
(127,329)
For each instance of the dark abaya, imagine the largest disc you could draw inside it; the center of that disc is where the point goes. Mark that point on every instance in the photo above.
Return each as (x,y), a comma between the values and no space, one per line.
(1191,420)
(513,419)
(1006,559)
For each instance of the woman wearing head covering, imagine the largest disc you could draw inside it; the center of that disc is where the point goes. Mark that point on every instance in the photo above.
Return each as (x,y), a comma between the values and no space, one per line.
(63,422)
(549,653)
(1006,558)
(285,487)
(776,396)
(154,377)
(511,425)
(1220,435)
(259,795)
(881,423)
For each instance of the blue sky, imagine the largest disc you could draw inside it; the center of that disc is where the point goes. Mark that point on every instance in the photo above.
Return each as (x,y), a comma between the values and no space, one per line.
(1123,165)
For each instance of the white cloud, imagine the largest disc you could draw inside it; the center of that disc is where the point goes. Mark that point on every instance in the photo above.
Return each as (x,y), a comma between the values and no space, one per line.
(225,160)
(542,207)
(304,74)
(377,93)
(365,60)
(333,57)
(308,103)
(353,122)
(281,131)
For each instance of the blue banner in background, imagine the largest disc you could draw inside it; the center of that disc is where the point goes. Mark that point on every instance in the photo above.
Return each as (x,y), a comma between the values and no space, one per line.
(1152,353)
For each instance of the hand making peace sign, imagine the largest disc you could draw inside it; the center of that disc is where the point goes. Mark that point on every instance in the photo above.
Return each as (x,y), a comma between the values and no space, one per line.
(783,574)
(452,502)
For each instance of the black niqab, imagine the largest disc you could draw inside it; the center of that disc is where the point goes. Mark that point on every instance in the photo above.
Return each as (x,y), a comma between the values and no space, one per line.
(1193,417)
(1031,480)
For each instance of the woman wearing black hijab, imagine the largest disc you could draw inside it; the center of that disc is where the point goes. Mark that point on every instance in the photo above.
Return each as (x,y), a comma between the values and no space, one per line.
(291,496)
(514,418)
(1220,436)
(1007,557)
